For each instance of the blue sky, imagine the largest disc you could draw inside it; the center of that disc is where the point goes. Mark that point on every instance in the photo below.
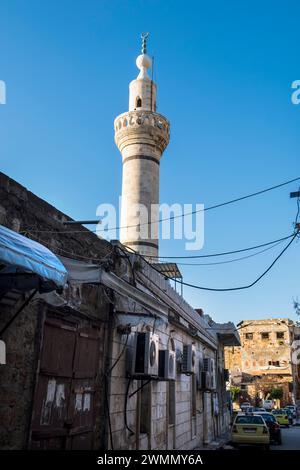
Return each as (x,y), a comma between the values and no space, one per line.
(224,71)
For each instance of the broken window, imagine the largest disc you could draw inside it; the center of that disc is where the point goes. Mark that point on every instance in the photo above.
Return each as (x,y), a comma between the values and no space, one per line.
(280,335)
(249,335)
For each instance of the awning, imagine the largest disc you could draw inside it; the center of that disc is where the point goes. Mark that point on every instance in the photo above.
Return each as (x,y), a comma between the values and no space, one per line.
(22,258)
(169,270)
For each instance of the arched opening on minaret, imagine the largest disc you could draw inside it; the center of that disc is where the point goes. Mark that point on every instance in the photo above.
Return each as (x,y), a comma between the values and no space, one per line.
(138,102)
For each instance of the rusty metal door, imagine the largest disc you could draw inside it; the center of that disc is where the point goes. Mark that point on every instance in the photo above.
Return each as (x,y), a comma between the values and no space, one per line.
(63,409)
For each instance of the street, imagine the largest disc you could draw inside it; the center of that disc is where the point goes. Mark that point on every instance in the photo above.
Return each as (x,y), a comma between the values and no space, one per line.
(290,439)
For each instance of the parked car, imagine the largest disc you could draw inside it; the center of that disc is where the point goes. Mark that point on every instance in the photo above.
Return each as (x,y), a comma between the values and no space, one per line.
(258,410)
(249,429)
(268,404)
(273,425)
(249,409)
(281,417)
(245,405)
(293,408)
(290,414)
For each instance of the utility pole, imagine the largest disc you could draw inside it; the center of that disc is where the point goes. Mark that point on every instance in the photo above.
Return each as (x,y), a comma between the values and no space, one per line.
(296,194)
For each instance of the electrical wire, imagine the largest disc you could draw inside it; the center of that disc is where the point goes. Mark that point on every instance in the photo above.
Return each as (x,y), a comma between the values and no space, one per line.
(248,285)
(215,206)
(130,264)
(87,258)
(119,357)
(140,388)
(125,407)
(166,257)
(231,288)
(108,411)
(230,260)
(225,253)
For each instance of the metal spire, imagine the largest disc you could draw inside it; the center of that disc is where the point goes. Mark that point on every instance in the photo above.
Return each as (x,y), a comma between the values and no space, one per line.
(144,37)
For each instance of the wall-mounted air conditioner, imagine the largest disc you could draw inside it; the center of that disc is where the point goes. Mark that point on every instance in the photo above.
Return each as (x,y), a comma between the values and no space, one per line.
(188,365)
(142,357)
(167,365)
(210,369)
(206,380)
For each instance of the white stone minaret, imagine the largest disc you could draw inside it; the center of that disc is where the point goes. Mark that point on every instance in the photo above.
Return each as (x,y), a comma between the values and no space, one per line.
(141,135)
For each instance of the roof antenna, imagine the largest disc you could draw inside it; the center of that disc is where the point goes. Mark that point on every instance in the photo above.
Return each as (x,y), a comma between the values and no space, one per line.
(144,37)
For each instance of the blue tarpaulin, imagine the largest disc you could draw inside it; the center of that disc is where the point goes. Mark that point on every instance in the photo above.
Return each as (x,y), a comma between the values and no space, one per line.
(29,256)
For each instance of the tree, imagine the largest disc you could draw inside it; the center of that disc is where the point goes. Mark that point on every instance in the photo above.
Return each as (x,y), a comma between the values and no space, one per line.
(234,392)
(276,394)
(297,308)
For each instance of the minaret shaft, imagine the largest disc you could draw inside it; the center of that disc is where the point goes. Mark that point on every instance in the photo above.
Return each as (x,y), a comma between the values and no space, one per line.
(141,136)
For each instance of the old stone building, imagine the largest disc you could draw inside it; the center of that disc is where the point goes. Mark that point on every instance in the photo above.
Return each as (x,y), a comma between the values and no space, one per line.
(46,373)
(67,382)
(264,359)
(116,358)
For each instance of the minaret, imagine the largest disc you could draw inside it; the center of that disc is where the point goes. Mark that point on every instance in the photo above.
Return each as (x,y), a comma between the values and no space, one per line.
(141,135)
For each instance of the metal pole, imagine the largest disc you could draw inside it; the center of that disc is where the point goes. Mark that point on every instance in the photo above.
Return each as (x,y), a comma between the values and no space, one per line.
(18,312)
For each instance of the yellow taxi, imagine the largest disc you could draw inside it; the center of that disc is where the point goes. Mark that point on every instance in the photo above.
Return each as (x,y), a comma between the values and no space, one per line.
(282,417)
(250,429)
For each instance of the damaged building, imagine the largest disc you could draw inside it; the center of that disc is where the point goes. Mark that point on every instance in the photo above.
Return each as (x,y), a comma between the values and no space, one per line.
(264,361)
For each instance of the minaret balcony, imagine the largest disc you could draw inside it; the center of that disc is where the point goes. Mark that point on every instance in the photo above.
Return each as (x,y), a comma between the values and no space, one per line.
(142,126)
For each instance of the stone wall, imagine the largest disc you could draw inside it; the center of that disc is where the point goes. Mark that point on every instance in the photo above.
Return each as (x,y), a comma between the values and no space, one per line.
(22,211)
(263,361)
(188,432)
(17,377)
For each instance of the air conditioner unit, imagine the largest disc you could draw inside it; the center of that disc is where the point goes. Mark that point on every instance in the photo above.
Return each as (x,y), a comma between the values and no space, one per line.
(142,360)
(209,366)
(188,365)
(206,380)
(167,365)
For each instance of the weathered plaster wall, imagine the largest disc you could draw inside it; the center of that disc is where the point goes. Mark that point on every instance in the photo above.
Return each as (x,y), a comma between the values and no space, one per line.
(189,431)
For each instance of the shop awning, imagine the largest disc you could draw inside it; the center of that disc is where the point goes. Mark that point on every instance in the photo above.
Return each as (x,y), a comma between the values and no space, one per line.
(29,263)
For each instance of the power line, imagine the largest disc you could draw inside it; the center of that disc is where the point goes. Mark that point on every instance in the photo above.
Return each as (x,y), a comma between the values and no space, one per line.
(225,252)
(248,285)
(231,260)
(216,206)
(231,288)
